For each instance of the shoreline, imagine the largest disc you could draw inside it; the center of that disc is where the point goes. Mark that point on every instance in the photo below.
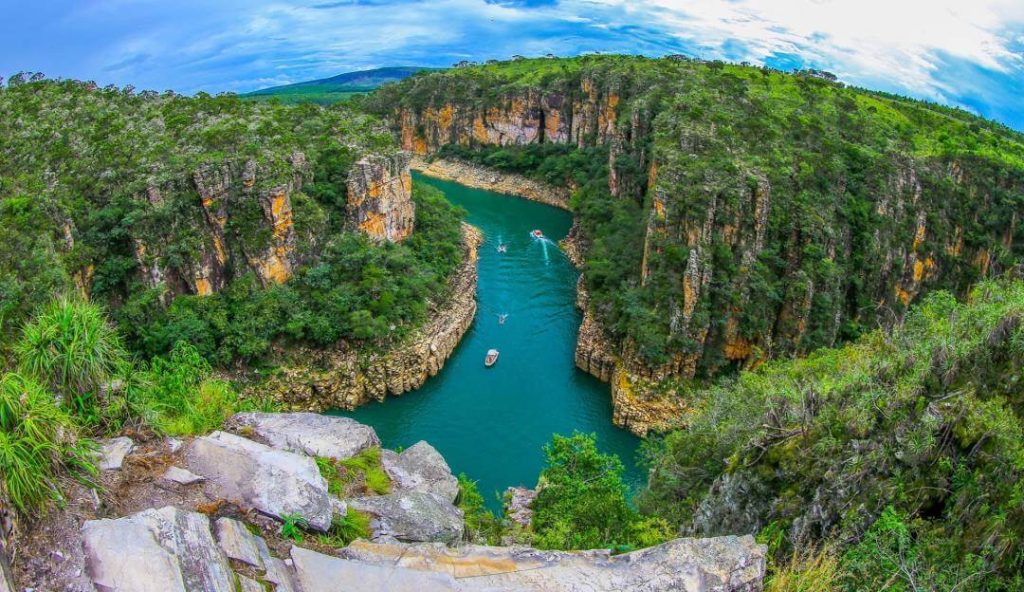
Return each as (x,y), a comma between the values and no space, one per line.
(479,177)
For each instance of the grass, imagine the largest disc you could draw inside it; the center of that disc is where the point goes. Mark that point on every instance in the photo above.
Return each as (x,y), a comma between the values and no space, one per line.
(361,473)
(812,571)
(39,445)
(345,529)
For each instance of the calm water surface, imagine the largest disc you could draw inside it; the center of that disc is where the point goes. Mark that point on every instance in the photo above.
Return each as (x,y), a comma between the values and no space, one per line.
(492,423)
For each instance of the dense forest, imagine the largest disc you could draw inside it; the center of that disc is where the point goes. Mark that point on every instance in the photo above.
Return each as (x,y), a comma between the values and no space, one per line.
(185,216)
(735,213)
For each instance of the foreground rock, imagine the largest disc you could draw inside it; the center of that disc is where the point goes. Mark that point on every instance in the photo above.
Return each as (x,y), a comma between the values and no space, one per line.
(309,433)
(723,564)
(412,517)
(275,482)
(168,549)
(420,468)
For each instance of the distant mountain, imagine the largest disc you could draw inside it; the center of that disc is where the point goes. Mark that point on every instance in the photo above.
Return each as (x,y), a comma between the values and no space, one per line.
(336,88)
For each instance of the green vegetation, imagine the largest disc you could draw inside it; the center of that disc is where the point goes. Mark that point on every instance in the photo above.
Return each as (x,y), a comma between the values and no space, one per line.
(582,502)
(39,446)
(345,529)
(903,452)
(482,526)
(335,89)
(358,475)
(293,527)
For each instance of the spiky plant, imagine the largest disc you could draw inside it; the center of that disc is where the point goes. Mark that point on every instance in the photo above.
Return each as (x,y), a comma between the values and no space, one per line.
(72,348)
(39,446)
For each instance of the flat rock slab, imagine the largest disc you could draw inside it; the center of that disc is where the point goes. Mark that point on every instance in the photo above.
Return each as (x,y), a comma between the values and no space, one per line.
(275,482)
(722,564)
(113,452)
(317,572)
(308,433)
(420,468)
(237,542)
(167,549)
(412,517)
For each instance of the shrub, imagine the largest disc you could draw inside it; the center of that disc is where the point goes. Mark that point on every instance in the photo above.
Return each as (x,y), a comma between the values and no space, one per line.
(39,445)
(178,396)
(71,348)
(481,524)
(582,502)
(360,472)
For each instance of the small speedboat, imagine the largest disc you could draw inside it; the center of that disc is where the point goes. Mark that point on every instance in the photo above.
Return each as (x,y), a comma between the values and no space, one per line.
(502,248)
(537,234)
(502,317)
(492,357)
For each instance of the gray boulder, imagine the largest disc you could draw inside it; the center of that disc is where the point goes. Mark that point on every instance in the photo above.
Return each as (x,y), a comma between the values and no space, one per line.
(275,482)
(412,516)
(166,549)
(181,476)
(113,452)
(420,468)
(308,433)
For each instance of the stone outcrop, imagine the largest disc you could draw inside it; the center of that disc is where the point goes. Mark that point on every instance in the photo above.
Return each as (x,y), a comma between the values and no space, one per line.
(380,197)
(724,564)
(518,502)
(312,434)
(420,467)
(345,378)
(411,516)
(275,482)
(479,177)
(167,549)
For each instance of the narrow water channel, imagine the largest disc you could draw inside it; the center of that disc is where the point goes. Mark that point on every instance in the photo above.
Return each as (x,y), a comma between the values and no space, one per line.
(492,423)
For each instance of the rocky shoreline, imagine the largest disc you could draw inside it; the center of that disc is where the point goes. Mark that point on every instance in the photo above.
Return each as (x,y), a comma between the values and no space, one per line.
(479,177)
(345,379)
(208,514)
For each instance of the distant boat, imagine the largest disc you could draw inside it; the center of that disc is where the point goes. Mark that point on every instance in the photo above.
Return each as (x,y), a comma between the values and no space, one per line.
(492,357)
(537,234)
(502,248)
(502,317)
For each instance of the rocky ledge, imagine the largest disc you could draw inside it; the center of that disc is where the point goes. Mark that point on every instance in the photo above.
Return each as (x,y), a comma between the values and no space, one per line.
(479,177)
(220,528)
(346,378)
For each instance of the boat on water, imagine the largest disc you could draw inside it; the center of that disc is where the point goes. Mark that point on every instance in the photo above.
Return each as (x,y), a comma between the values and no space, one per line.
(537,234)
(502,248)
(492,357)
(502,317)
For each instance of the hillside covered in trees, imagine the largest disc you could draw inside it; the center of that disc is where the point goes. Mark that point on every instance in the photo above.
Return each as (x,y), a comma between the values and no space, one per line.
(213,220)
(731,214)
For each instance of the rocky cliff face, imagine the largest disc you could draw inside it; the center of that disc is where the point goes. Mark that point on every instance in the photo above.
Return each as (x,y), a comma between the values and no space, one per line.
(755,245)
(380,197)
(346,379)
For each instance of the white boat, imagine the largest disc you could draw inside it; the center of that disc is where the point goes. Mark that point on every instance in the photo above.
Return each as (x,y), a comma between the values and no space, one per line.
(492,357)
(537,234)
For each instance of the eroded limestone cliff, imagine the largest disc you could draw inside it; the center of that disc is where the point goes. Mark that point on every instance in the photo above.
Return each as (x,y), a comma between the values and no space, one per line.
(346,378)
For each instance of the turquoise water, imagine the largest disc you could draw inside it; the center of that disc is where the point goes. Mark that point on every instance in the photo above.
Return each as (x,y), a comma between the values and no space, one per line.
(492,423)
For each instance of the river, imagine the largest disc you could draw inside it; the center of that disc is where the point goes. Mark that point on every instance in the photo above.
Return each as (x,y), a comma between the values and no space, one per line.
(492,423)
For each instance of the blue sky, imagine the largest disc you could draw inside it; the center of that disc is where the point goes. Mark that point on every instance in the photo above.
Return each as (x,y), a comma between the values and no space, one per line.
(962,52)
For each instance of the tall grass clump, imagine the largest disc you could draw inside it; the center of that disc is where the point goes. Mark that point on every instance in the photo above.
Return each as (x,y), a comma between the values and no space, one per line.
(72,349)
(39,446)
